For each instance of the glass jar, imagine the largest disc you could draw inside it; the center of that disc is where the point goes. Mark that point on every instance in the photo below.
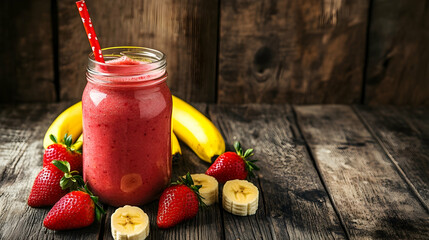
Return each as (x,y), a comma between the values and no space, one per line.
(126,111)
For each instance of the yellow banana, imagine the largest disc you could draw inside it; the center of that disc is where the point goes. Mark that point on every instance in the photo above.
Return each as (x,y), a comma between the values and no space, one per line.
(196,130)
(79,142)
(69,121)
(176,151)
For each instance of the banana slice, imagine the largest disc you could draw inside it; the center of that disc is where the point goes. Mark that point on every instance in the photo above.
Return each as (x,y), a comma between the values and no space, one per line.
(129,223)
(240,197)
(209,189)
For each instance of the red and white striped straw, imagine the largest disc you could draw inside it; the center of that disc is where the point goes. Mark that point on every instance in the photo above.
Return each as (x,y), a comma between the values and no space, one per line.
(90,32)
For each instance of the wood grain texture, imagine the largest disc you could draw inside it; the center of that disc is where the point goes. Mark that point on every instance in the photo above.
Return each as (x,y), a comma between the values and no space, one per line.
(21,158)
(370,195)
(186,31)
(288,51)
(293,203)
(26,49)
(404,133)
(398,53)
(206,225)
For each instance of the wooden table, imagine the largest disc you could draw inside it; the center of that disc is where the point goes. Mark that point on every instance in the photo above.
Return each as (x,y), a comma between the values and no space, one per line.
(327,172)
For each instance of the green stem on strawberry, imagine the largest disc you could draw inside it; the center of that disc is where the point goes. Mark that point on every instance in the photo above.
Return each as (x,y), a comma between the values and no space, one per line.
(249,164)
(67,141)
(99,211)
(71,180)
(53,138)
(189,182)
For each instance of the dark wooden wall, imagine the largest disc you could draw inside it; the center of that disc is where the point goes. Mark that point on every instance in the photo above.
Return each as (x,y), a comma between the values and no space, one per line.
(228,51)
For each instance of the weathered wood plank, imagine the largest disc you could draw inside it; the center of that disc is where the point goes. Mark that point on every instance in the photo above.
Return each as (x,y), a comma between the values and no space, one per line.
(398,54)
(370,195)
(292,51)
(406,143)
(294,204)
(206,225)
(26,49)
(186,31)
(21,154)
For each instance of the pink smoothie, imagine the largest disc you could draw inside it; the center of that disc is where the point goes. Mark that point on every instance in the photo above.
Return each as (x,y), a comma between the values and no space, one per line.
(126,125)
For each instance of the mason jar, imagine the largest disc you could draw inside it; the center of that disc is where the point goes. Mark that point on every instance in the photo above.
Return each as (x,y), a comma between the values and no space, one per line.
(126,111)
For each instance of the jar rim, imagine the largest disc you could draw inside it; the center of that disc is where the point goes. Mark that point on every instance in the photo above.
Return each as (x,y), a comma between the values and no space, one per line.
(160,56)
(144,65)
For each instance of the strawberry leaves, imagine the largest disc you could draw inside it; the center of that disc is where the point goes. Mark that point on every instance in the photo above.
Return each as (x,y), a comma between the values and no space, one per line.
(99,211)
(249,164)
(53,138)
(188,181)
(71,180)
(67,141)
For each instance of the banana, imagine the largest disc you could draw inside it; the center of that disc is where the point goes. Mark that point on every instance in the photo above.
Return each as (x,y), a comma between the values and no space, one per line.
(240,197)
(209,187)
(129,223)
(176,151)
(78,144)
(69,121)
(197,131)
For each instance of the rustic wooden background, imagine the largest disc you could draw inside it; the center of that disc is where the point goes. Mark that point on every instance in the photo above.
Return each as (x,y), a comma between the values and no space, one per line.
(228,51)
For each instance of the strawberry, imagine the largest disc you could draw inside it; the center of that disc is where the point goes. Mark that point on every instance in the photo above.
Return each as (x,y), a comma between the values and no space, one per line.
(178,202)
(63,151)
(233,165)
(46,189)
(50,184)
(76,209)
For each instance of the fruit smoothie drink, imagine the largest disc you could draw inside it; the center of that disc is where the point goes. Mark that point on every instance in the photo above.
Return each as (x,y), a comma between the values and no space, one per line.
(126,123)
